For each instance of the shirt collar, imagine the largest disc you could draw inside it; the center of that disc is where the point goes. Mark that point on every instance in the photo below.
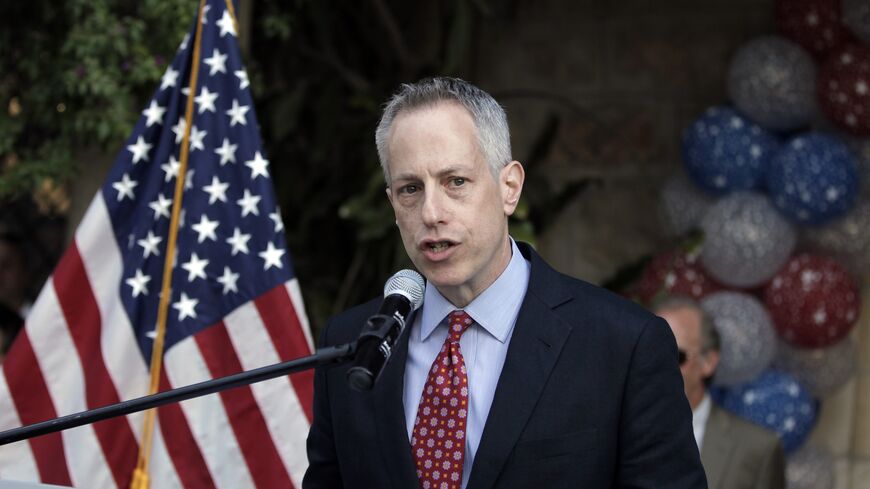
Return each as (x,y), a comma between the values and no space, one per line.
(495,309)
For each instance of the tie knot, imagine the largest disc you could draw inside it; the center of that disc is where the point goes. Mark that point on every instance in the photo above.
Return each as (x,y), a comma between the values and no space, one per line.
(458,321)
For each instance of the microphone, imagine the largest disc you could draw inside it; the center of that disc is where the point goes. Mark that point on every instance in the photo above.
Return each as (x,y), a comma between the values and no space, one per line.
(403,294)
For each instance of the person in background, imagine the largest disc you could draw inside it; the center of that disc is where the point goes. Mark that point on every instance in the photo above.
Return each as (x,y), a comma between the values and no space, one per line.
(736,454)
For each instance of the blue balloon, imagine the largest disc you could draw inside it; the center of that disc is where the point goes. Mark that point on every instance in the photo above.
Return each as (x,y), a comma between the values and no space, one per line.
(813,179)
(775,400)
(724,151)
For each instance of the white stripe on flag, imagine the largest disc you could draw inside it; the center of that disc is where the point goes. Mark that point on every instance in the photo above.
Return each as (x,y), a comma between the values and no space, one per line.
(16,459)
(207,418)
(278,402)
(161,469)
(62,370)
(296,297)
(102,262)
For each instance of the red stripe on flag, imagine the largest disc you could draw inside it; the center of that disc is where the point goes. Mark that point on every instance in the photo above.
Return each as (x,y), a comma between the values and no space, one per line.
(278,314)
(82,315)
(32,401)
(244,413)
(181,445)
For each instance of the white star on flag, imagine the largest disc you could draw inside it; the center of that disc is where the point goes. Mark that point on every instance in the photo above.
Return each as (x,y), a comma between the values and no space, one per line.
(170,77)
(186,307)
(154,114)
(239,242)
(217,190)
(205,100)
(258,166)
(226,24)
(217,62)
(188,179)
(149,245)
(195,267)
(249,203)
(243,78)
(206,229)
(160,207)
(228,280)
(139,283)
(178,129)
(271,256)
(196,139)
(227,152)
(140,150)
(276,218)
(125,187)
(237,113)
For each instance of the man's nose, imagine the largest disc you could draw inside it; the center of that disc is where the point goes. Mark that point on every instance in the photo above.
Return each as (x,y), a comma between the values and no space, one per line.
(433,208)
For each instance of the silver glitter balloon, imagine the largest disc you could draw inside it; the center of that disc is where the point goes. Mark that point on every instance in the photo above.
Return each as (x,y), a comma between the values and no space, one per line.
(682,205)
(773,81)
(821,370)
(811,467)
(856,16)
(748,341)
(745,240)
(847,239)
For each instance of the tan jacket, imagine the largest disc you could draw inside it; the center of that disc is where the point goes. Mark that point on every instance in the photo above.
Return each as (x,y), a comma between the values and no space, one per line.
(737,454)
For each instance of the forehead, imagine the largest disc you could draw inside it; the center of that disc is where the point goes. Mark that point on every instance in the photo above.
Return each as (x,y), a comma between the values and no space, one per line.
(423,138)
(684,321)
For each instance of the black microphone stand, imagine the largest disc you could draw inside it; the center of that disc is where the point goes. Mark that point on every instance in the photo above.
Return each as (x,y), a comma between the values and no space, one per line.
(324,356)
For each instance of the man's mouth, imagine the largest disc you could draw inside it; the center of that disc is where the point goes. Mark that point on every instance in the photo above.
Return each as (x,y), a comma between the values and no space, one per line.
(438,246)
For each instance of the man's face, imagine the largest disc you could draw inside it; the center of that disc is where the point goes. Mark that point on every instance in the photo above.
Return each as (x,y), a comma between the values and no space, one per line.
(685,322)
(450,209)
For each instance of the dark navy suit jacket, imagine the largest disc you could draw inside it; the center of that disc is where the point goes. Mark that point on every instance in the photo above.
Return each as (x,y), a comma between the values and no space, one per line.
(590,397)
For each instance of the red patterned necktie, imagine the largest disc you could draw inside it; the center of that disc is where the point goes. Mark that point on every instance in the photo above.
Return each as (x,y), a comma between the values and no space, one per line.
(438,440)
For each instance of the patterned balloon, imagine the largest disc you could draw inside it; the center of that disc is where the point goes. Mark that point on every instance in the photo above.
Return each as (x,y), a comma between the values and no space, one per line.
(813,301)
(856,15)
(814,24)
(723,151)
(777,401)
(844,88)
(745,240)
(811,467)
(773,81)
(748,342)
(821,370)
(813,178)
(847,239)
(674,272)
(682,205)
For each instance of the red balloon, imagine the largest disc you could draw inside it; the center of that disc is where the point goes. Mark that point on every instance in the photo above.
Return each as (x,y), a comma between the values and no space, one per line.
(814,24)
(675,272)
(844,88)
(813,301)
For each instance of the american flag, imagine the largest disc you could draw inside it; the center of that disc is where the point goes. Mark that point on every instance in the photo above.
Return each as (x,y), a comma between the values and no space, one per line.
(235,304)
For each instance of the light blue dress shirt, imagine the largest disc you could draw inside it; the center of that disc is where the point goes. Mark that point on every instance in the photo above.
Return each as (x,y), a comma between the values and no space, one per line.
(484,346)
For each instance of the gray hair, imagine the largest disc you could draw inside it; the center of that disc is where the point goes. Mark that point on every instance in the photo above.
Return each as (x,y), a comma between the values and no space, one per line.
(493,135)
(710,340)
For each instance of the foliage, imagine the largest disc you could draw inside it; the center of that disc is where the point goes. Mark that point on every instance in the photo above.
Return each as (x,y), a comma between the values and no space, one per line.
(75,76)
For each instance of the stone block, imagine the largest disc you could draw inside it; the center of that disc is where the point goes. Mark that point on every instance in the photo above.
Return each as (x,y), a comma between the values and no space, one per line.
(834,427)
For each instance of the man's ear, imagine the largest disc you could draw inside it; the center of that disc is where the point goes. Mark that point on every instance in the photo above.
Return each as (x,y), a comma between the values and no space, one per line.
(511,179)
(709,362)
(389,195)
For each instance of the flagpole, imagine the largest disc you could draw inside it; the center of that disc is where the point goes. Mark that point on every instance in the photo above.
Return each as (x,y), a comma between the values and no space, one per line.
(140,475)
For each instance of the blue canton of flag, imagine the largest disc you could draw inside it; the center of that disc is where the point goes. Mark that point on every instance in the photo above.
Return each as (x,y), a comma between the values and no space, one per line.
(231,245)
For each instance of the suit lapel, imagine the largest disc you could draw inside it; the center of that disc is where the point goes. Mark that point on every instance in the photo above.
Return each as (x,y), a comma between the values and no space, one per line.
(716,447)
(389,415)
(536,343)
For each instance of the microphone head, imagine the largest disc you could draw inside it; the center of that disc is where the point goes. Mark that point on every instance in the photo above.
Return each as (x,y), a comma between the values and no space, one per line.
(409,284)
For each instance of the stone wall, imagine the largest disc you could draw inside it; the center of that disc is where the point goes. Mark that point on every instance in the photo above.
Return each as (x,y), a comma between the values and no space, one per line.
(623,79)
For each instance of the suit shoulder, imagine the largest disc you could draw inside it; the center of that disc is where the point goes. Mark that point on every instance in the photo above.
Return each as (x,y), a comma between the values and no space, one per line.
(602,304)
(750,433)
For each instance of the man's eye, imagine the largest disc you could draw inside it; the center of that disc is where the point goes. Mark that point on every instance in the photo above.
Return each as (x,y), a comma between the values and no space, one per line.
(409,189)
(458,181)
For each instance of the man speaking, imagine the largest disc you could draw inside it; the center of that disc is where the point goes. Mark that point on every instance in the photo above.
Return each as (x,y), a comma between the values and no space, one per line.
(511,375)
